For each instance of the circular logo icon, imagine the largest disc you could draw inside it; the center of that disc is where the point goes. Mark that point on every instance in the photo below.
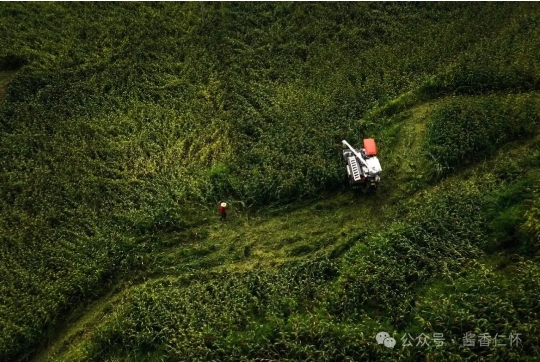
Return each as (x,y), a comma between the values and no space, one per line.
(389,342)
(381,336)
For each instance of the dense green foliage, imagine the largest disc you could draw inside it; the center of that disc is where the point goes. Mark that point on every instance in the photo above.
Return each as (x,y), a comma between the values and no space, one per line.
(321,309)
(465,130)
(122,125)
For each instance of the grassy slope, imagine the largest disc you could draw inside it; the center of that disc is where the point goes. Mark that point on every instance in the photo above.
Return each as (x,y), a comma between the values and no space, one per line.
(330,227)
(96,180)
(245,243)
(243,246)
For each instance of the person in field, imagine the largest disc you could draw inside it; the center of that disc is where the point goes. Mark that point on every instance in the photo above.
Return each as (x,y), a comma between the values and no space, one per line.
(223,211)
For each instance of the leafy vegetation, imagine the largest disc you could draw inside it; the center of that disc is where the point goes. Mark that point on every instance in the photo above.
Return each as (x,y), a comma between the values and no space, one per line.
(333,307)
(465,130)
(122,125)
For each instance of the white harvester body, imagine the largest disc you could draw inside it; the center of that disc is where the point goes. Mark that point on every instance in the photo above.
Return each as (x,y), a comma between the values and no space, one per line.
(363,166)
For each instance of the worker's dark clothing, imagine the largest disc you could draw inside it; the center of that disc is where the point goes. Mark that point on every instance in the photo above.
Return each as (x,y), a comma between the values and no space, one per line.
(223,213)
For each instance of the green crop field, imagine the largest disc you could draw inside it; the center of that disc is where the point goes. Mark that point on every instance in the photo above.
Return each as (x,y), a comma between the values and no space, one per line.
(123,126)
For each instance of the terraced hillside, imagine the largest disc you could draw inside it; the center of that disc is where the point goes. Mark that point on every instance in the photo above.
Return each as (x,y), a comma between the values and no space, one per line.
(123,125)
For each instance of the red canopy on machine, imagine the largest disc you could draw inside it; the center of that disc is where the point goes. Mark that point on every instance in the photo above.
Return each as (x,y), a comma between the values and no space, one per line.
(370,147)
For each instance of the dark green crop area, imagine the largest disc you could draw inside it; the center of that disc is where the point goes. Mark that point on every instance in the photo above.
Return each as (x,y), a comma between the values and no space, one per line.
(123,125)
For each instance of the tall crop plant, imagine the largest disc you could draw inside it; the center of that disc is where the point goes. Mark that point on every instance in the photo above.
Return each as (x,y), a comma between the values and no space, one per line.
(465,130)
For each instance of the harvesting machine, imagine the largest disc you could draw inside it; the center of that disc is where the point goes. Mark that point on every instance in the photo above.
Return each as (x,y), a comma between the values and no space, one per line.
(363,167)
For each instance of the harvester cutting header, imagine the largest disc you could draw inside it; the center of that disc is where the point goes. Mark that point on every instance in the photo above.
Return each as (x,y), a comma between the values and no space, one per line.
(363,167)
